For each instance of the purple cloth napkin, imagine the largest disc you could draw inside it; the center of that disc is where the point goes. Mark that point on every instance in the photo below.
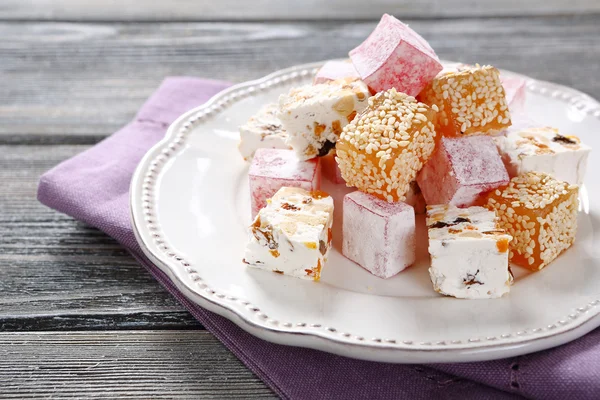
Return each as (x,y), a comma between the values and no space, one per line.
(93,187)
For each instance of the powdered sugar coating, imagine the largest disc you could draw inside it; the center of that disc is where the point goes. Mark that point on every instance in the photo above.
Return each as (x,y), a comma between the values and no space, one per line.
(377,235)
(515,89)
(461,170)
(395,56)
(335,69)
(272,169)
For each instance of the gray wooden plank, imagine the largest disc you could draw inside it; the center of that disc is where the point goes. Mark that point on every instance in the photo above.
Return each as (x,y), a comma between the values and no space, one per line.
(58,274)
(142,364)
(76,83)
(190,10)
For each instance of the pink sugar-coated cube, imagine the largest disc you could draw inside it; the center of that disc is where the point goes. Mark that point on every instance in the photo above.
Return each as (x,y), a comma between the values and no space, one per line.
(395,56)
(331,170)
(335,69)
(377,235)
(272,169)
(514,88)
(461,170)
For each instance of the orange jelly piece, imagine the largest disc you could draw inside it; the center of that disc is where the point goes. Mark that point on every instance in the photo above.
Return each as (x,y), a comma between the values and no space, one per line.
(471,100)
(381,151)
(540,213)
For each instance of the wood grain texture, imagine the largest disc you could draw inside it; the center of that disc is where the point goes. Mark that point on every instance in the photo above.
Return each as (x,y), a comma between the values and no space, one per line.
(77,83)
(58,274)
(270,10)
(182,364)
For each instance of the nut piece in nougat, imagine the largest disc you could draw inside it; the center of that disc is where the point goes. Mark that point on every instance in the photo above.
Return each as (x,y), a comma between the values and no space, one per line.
(314,115)
(471,101)
(469,252)
(461,170)
(540,213)
(335,69)
(544,149)
(263,130)
(385,146)
(377,235)
(272,169)
(395,56)
(292,234)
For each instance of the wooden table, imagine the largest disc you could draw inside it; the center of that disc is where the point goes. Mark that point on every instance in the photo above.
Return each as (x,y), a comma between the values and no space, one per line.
(78,316)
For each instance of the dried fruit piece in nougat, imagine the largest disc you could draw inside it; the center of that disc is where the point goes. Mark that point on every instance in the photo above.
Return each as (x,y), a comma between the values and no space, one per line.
(382,150)
(335,69)
(544,149)
(471,101)
(461,170)
(292,234)
(377,235)
(540,213)
(469,252)
(263,130)
(395,56)
(272,169)
(314,115)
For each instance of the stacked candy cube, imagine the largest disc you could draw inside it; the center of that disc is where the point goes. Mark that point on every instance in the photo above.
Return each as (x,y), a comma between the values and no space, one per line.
(408,136)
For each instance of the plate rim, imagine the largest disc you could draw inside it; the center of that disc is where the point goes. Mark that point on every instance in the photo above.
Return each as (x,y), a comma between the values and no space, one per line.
(253,320)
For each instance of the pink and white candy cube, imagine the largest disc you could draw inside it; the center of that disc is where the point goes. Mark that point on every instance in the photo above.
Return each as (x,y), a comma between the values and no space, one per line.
(514,88)
(331,170)
(377,235)
(335,69)
(461,170)
(272,169)
(395,56)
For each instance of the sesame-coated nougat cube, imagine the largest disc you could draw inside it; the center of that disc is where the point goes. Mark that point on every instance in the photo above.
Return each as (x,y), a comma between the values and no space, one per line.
(469,252)
(461,170)
(540,213)
(382,150)
(471,101)
(377,235)
(263,130)
(544,149)
(335,69)
(395,56)
(314,115)
(292,235)
(272,169)
(515,88)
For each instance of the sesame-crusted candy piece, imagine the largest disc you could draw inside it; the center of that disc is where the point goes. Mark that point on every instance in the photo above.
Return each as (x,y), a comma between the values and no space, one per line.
(272,169)
(377,235)
(382,150)
(461,170)
(540,213)
(263,130)
(469,252)
(395,56)
(471,101)
(335,69)
(544,149)
(314,115)
(292,234)
(515,89)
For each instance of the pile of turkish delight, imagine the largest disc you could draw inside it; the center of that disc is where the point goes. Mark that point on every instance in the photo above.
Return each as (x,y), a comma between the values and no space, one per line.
(411,136)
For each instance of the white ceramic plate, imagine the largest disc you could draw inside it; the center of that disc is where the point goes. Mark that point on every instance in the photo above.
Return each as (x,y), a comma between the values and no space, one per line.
(190,208)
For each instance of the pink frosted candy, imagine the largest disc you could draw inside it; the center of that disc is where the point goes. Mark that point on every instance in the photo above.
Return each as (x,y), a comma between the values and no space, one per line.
(331,170)
(377,235)
(333,70)
(461,170)
(271,169)
(395,56)
(515,88)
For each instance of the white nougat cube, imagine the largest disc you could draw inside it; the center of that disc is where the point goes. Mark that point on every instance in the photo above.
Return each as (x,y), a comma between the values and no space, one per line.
(469,252)
(314,115)
(292,234)
(262,130)
(377,235)
(544,149)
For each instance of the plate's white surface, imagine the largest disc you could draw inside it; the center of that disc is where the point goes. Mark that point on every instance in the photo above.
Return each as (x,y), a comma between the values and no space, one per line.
(190,208)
